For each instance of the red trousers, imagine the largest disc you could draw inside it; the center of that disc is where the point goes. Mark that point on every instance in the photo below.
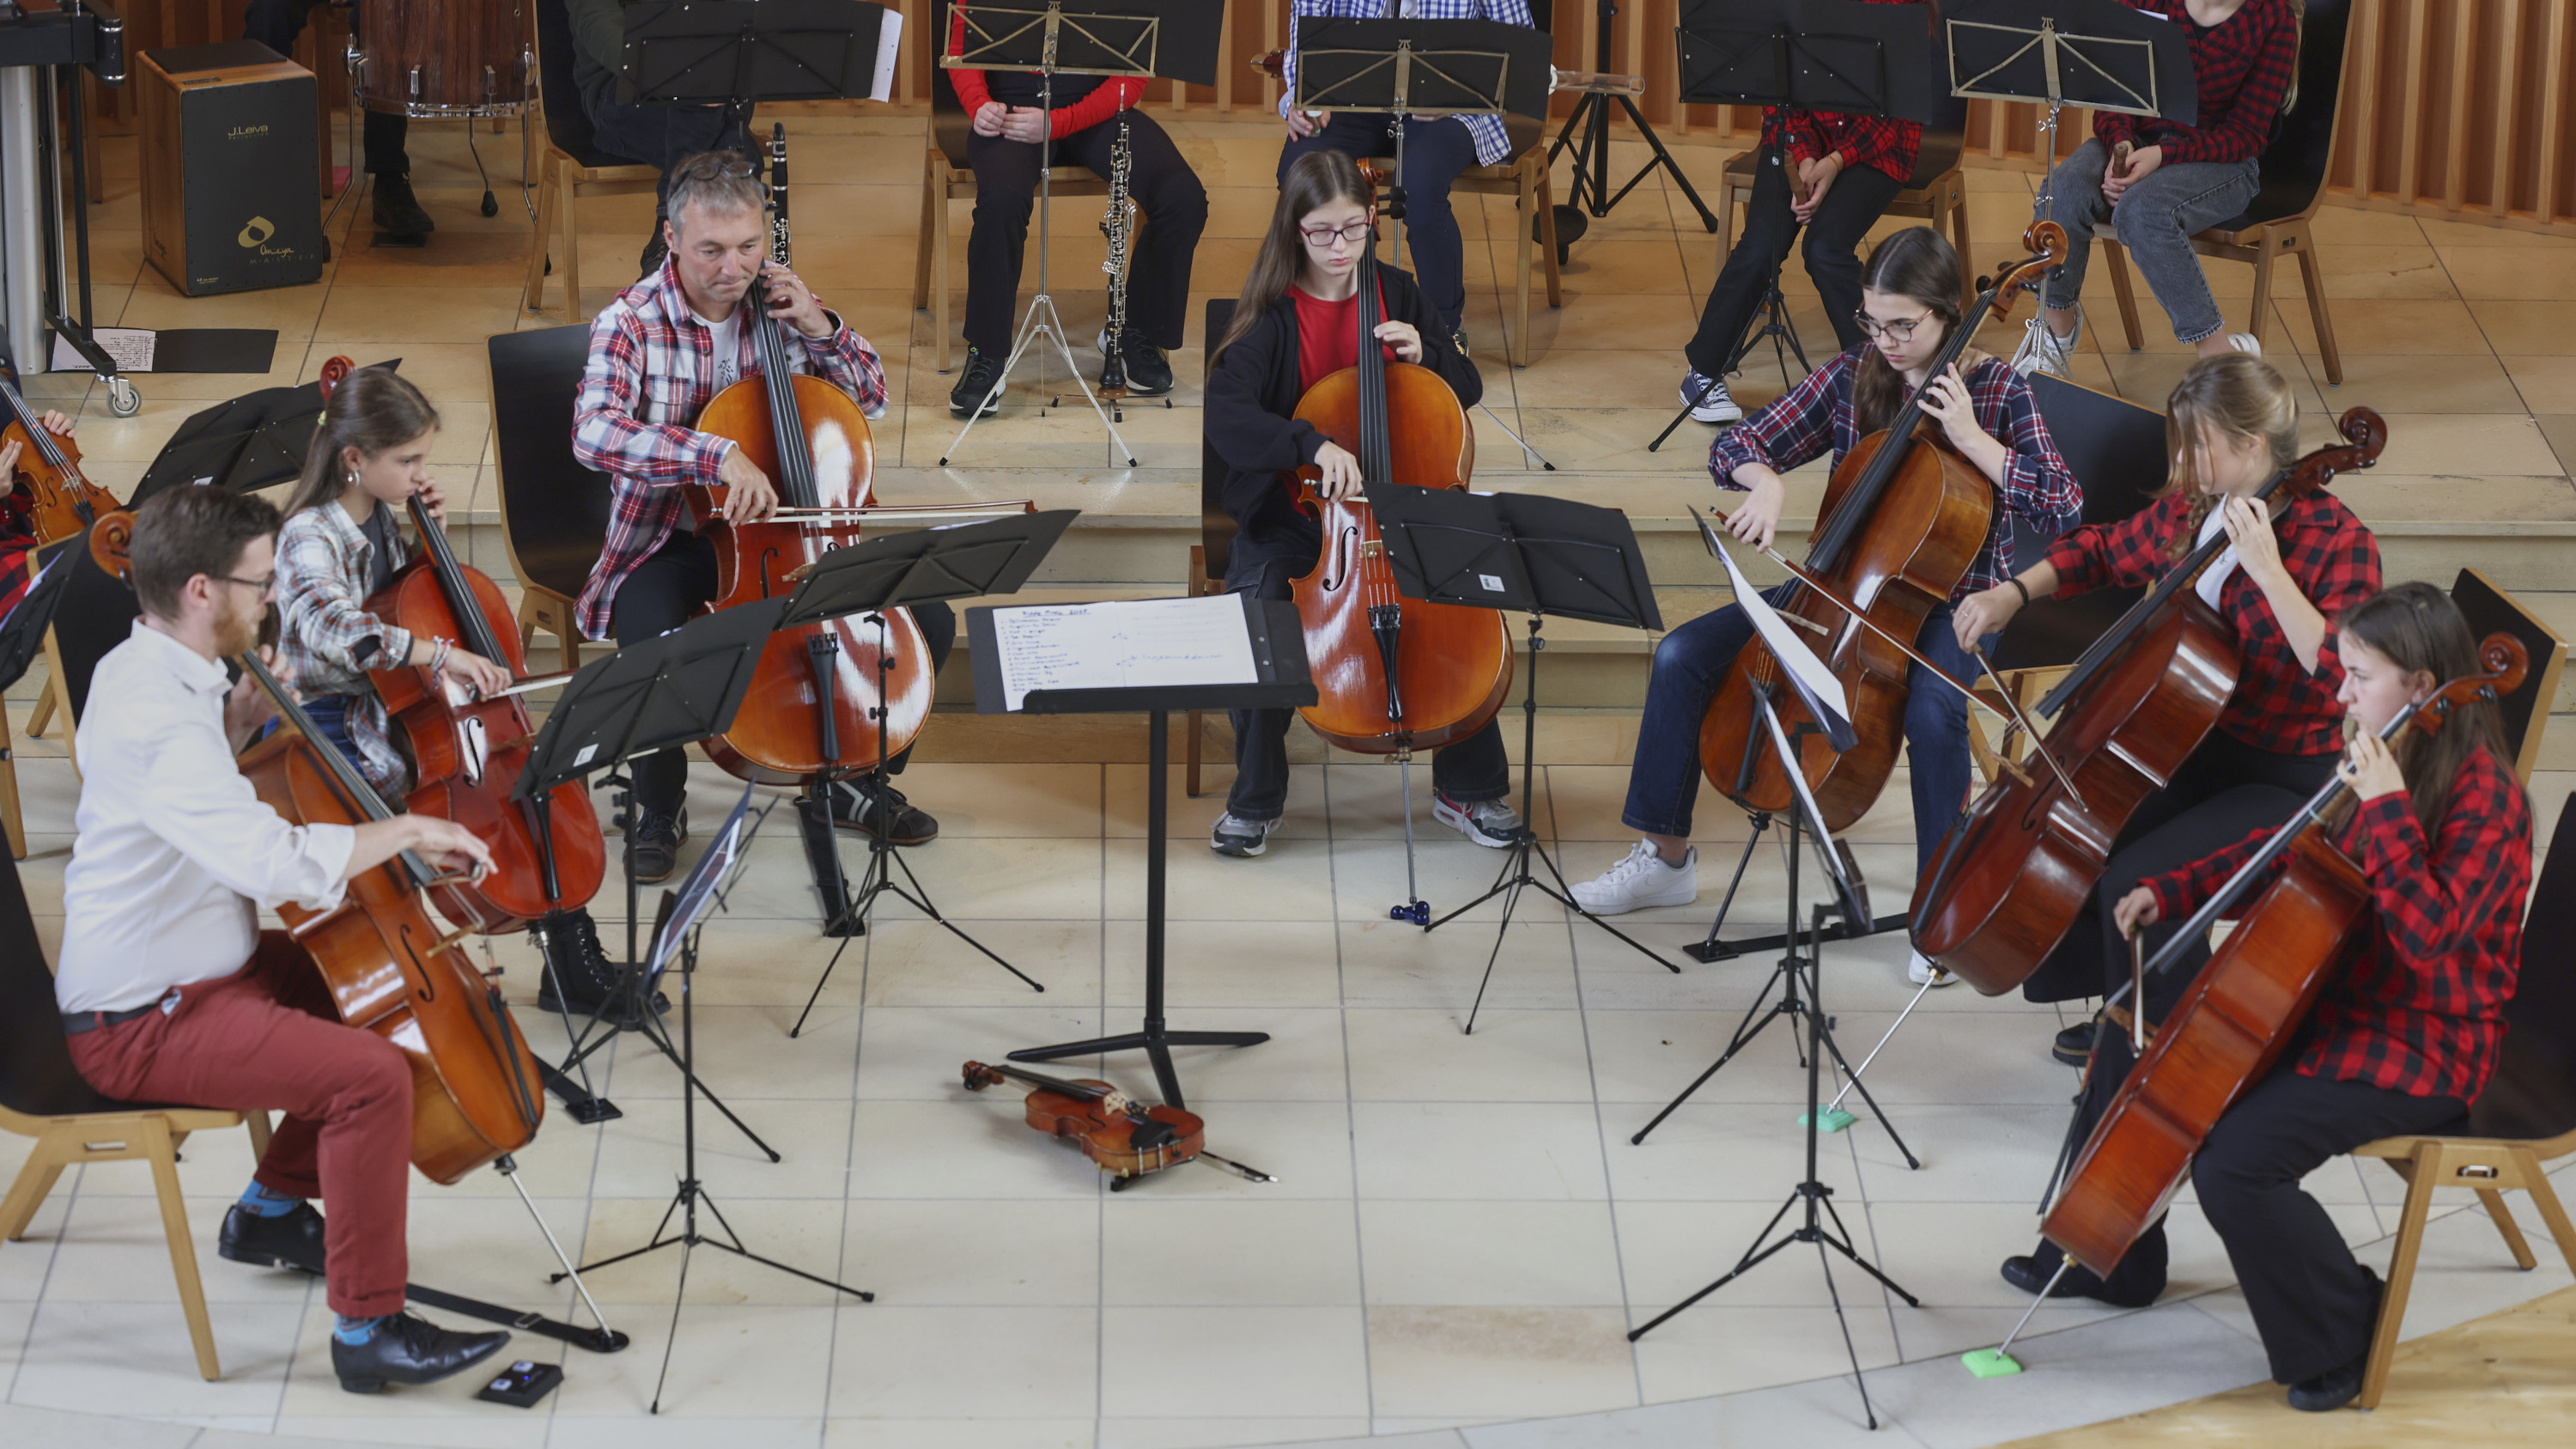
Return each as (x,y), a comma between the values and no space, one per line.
(267,1038)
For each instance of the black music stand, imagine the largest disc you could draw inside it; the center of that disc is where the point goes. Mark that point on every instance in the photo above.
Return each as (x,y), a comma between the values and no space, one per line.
(737,53)
(663,694)
(1592,153)
(1523,553)
(891,572)
(1276,644)
(1137,39)
(1821,55)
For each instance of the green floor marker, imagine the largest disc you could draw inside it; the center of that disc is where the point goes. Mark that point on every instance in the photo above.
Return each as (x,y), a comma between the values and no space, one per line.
(1990,1363)
(1836,1119)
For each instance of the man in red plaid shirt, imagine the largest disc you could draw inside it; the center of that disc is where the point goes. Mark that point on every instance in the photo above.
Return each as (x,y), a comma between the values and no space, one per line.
(658,355)
(1830,173)
(2410,1023)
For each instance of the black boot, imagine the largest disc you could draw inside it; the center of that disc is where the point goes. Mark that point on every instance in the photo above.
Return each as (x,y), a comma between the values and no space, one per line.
(406,1349)
(579,977)
(290,1240)
(397,210)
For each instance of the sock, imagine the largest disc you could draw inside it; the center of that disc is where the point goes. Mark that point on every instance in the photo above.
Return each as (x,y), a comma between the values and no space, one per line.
(266,1203)
(355,1331)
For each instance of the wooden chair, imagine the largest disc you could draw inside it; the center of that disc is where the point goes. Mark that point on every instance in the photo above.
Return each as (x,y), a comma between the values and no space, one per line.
(95,614)
(572,166)
(2276,223)
(2523,1121)
(1208,557)
(44,1097)
(554,511)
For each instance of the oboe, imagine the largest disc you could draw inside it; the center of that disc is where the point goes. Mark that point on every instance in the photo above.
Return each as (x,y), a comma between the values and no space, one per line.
(778,193)
(1115,226)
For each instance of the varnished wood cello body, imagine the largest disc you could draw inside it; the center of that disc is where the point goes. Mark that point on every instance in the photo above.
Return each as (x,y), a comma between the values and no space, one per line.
(2015,872)
(2234,1020)
(1902,518)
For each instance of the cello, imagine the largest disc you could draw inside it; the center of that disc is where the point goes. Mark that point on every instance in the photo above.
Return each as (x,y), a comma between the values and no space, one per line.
(2013,874)
(822,692)
(58,501)
(2240,1012)
(1902,518)
(475,1090)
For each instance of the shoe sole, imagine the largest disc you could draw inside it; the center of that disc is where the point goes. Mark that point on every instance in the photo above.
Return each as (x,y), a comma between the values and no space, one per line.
(1239,852)
(262,1260)
(376,1384)
(1658,903)
(991,410)
(1459,821)
(860,828)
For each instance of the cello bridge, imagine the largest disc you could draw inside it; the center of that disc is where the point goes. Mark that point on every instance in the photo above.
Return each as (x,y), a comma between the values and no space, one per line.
(1372,548)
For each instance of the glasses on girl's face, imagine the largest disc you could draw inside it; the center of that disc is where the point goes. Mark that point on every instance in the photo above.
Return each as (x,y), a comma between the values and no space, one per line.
(1902,329)
(1322,236)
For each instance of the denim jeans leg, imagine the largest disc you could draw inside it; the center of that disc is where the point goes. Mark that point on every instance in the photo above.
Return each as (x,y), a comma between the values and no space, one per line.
(1663,780)
(2075,202)
(2156,220)
(1936,734)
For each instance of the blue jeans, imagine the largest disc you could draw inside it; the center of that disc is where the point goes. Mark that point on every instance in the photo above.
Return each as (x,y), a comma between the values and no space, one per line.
(2155,219)
(1434,153)
(1663,782)
(330,714)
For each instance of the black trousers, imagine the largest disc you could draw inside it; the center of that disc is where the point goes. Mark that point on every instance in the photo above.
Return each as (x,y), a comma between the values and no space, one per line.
(1158,271)
(1475,768)
(1850,208)
(275,24)
(2226,791)
(667,590)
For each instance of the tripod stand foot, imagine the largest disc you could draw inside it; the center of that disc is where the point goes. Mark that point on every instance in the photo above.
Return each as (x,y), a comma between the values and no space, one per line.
(1418,912)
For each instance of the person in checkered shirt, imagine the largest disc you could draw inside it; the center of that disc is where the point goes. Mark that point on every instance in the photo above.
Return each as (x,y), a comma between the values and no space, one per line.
(658,355)
(1850,168)
(2410,1023)
(2232,423)
(2158,183)
(1910,307)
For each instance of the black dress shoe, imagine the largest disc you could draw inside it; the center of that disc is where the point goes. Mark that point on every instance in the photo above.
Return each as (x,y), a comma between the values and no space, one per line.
(2329,1390)
(2031,1275)
(407,1349)
(289,1240)
(2074,1046)
(856,805)
(397,210)
(657,844)
(578,965)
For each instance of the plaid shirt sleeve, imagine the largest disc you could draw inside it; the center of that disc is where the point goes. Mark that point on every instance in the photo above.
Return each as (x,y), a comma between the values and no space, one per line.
(325,634)
(2127,553)
(850,363)
(1798,426)
(609,435)
(2182,890)
(2243,68)
(1493,141)
(2280,705)
(2037,484)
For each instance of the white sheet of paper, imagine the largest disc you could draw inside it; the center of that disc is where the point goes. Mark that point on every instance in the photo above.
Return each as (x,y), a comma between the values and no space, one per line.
(131,348)
(1122,644)
(1785,646)
(889,41)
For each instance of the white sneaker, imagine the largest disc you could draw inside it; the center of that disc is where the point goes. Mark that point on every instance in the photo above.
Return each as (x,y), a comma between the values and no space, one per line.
(1922,972)
(2044,351)
(2244,342)
(1714,405)
(1639,880)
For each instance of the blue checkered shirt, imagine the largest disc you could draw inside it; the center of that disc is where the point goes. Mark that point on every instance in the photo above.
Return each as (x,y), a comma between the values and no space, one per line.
(1493,147)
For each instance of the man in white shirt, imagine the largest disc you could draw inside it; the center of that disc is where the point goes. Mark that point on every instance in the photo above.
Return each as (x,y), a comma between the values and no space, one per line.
(169,990)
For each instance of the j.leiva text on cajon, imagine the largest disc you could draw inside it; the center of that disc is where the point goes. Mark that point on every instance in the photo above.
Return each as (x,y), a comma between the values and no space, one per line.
(229,202)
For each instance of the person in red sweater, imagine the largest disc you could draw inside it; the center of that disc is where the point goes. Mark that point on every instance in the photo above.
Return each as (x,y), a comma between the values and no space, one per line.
(1007,154)
(2157,183)
(2410,1024)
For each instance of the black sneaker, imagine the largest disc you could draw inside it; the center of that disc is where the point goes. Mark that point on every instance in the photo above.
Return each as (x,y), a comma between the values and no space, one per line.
(976,379)
(1236,836)
(397,210)
(1458,339)
(656,844)
(408,1349)
(1149,369)
(2329,1391)
(290,1240)
(2031,1274)
(577,963)
(866,807)
(2074,1046)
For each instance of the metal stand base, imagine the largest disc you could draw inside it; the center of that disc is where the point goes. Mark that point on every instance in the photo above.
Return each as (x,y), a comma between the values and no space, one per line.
(1712,949)
(1775,324)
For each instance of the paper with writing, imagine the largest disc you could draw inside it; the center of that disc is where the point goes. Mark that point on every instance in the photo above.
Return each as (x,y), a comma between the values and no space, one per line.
(1127,644)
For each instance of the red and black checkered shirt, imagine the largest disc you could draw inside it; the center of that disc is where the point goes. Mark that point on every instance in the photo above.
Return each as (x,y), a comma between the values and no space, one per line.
(2416,1002)
(1801,424)
(1881,143)
(2278,705)
(2244,65)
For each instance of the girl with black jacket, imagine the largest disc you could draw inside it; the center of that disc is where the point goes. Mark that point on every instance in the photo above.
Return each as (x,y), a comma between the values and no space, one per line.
(1297,323)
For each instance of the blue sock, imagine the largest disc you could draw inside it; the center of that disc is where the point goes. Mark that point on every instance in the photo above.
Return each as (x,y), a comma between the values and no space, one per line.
(268,1204)
(354,1331)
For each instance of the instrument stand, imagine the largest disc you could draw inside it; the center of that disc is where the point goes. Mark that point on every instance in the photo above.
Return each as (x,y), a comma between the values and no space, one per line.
(1592,153)
(692,1194)
(1711,950)
(1775,324)
(1819,1223)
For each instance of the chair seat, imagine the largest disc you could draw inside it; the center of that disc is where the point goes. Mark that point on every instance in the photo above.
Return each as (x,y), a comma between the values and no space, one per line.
(45,1085)
(595,159)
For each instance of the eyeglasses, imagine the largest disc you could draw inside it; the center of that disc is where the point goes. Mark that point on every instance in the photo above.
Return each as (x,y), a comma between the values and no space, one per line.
(1902,329)
(263,585)
(1322,236)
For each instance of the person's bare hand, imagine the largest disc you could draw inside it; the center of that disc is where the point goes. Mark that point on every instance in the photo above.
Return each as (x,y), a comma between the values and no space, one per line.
(1025,123)
(792,302)
(1404,337)
(248,706)
(484,677)
(750,496)
(2370,767)
(988,118)
(1302,124)
(2128,168)
(433,498)
(2258,549)
(1757,519)
(1985,612)
(1946,399)
(2136,911)
(1341,470)
(1819,176)
(450,848)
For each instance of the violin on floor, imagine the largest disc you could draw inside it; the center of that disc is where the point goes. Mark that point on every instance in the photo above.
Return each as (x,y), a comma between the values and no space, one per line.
(1122,1136)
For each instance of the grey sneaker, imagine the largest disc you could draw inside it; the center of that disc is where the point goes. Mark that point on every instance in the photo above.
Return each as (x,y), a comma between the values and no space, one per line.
(1708,400)
(2044,351)
(1493,824)
(1239,837)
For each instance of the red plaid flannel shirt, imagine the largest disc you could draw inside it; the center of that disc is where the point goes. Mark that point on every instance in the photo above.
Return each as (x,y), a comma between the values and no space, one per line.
(2278,705)
(652,371)
(2416,1003)
(1881,143)
(1816,415)
(2244,66)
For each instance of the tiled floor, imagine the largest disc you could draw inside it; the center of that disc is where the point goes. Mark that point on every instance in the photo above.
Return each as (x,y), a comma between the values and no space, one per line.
(1462,1231)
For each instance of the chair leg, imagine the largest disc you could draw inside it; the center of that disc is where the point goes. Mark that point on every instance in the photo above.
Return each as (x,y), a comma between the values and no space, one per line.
(2512,1231)
(549,196)
(183,1248)
(257,1123)
(1959,225)
(1518,352)
(2112,253)
(939,275)
(2264,255)
(2421,1174)
(570,202)
(27,1194)
(58,699)
(932,164)
(1547,249)
(2535,1179)
(43,714)
(12,823)
(2312,277)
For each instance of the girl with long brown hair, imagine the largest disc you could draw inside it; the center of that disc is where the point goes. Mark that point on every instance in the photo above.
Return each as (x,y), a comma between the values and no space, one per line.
(1909,310)
(1296,323)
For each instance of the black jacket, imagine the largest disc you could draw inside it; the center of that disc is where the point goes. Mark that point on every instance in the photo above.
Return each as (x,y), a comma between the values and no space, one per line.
(1250,434)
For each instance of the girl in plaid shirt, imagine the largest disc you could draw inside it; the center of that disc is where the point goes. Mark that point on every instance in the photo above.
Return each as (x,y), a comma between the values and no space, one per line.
(1910,296)
(2409,1026)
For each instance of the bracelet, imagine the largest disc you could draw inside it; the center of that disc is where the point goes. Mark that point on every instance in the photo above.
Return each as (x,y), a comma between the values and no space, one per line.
(2020,587)
(438,657)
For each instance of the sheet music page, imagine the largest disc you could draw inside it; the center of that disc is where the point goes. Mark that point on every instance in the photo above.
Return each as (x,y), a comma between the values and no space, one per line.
(1785,646)
(1125,644)
(889,41)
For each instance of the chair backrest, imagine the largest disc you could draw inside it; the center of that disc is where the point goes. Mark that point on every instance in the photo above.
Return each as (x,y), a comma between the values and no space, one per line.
(949,123)
(2533,1095)
(2116,450)
(554,511)
(567,121)
(2491,610)
(2294,164)
(1945,135)
(1216,526)
(37,1078)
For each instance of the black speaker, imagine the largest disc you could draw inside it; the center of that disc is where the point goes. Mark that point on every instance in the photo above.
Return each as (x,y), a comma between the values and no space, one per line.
(230,195)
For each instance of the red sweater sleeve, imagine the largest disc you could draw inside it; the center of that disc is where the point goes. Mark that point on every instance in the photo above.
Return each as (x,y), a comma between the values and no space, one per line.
(1114,95)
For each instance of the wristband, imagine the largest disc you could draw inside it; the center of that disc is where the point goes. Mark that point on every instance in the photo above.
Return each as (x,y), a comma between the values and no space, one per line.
(2021,588)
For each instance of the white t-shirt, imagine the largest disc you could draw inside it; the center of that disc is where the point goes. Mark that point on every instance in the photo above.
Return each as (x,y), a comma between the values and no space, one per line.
(728,343)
